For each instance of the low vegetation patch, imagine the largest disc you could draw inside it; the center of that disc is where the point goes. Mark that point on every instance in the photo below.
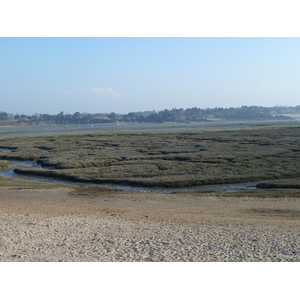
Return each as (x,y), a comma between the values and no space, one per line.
(28,184)
(281,184)
(270,193)
(4,164)
(93,191)
(164,160)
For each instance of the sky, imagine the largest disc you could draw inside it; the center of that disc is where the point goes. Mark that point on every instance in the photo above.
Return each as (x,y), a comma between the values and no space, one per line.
(130,74)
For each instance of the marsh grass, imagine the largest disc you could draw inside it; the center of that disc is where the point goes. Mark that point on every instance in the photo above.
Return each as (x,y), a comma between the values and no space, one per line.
(270,193)
(4,164)
(164,160)
(281,184)
(93,191)
(28,184)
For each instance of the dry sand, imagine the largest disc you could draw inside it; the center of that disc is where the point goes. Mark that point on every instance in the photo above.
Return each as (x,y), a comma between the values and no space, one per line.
(67,225)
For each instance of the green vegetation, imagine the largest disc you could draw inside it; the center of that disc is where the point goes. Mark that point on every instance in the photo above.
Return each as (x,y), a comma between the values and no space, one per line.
(164,160)
(270,193)
(27,184)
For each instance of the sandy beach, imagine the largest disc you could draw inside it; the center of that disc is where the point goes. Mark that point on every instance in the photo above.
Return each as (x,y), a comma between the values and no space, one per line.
(65,224)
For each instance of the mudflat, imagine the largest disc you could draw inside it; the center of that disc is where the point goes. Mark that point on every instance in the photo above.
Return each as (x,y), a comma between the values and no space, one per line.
(71,224)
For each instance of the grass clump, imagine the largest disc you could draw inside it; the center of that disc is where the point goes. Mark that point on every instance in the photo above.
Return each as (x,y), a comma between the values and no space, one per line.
(93,191)
(4,164)
(28,184)
(270,193)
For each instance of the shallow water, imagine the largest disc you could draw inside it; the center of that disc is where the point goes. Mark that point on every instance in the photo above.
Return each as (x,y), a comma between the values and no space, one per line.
(9,172)
(4,149)
(226,188)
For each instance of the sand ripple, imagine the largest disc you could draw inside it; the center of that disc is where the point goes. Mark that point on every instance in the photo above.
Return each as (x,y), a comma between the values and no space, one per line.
(37,237)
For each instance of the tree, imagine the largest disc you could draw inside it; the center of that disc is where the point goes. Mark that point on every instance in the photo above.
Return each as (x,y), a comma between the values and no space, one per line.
(112,116)
(60,118)
(77,115)
(3,116)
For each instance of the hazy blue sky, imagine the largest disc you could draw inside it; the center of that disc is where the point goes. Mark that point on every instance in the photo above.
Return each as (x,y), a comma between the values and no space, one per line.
(50,75)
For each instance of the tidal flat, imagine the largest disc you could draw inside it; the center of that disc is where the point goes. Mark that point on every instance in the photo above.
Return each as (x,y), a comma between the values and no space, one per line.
(43,221)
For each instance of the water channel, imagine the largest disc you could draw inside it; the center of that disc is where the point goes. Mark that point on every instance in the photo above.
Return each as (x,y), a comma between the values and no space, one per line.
(9,172)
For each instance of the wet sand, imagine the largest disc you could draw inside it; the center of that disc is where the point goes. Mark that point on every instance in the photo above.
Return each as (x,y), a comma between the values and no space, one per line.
(65,224)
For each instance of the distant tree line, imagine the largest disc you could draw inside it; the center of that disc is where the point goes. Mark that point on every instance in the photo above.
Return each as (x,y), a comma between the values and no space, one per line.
(174,115)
